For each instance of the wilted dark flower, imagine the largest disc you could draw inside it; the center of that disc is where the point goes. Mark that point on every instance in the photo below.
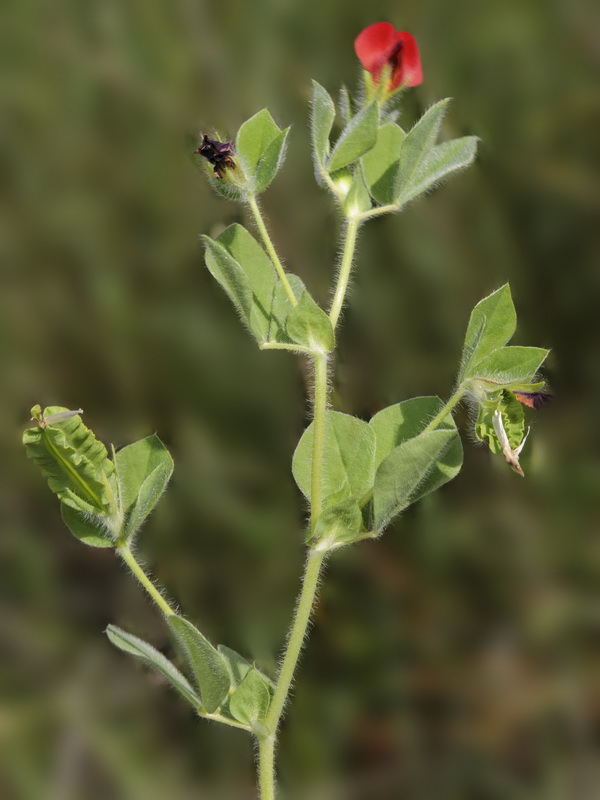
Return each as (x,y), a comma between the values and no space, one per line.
(219,154)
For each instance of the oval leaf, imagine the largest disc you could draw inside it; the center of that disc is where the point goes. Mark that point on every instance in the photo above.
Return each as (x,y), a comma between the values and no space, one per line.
(492,323)
(248,275)
(508,366)
(442,161)
(143,471)
(236,665)
(270,162)
(381,164)
(150,656)
(308,325)
(418,144)
(229,273)
(89,529)
(339,524)
(249,703)
(349,459)
(259,147)
(397,424)
(413,469)
(209,668)
(357,138)
(321,122)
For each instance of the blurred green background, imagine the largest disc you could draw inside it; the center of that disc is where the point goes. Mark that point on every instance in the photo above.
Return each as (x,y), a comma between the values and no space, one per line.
(455,659)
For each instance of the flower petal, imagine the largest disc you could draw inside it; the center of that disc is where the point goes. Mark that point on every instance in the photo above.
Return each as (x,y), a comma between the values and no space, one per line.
(374,44)
(408,71)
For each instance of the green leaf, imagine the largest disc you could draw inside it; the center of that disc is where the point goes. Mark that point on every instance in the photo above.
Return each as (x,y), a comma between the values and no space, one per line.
(340,523)
(492,323)
(229,273)
(249,703)
(281,309)
(259,147)
(253,286)
(349,459)
(404,421)
(321,122)
(150,656)
(89,529)
(358,198)
(397,424)
(236,665)
(441,161)
(510,365)
(212,676)
(381,164)
(74,462)
(308,325)
(418,144)
(411,470)
(270,162)
(260,274)
(345,105)
(357,138)
(143,471)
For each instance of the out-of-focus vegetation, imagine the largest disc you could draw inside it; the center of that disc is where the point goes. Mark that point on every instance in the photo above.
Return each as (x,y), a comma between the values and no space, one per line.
(457,658)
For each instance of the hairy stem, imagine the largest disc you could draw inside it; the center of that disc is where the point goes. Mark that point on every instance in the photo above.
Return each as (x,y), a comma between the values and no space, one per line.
(266,760)
(452,403)
(292,348)
(319,412)
(125,552)
(307,595)
(298,632)
(262,229)
(345,268)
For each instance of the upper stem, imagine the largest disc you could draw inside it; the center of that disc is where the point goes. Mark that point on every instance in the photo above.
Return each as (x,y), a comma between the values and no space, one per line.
(319,414)
(345,268)
(125,552)
(262,229)
(439,418)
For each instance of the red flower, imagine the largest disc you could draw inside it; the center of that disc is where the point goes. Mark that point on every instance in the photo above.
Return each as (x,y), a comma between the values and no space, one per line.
(381,45)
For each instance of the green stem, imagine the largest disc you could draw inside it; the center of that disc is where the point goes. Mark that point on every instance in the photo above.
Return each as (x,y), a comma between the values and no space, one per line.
(377,212)
(293,348)
(307,595)
(125,552)
(319,413)
(454,401)
(301,619)
(266,769)
(225,720)
(262,229)
(345,268)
